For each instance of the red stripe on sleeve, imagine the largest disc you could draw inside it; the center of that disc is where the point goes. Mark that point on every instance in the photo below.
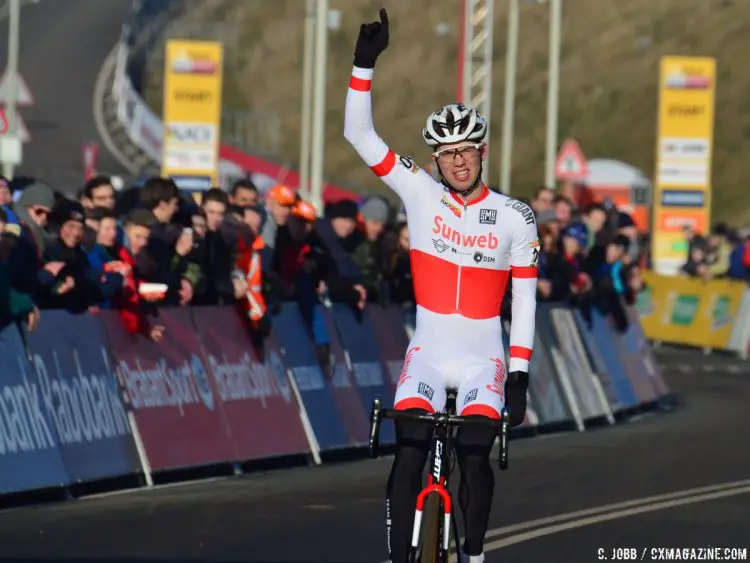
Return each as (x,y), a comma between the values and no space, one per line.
(520,352)
(360,84)
(386,165)
(524,271)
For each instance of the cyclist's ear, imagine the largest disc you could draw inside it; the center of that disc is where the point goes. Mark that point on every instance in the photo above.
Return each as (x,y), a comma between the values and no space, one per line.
(484,150)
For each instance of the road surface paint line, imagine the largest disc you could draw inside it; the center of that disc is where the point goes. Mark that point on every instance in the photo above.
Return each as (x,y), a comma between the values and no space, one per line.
(615,507)
(610,512)
(546,531)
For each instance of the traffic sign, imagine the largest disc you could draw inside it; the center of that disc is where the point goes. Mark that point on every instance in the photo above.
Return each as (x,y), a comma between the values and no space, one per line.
(23,94)
(571,165)
(21,131)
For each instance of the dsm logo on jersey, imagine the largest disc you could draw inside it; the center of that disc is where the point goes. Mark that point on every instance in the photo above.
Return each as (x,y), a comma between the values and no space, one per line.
(487,216)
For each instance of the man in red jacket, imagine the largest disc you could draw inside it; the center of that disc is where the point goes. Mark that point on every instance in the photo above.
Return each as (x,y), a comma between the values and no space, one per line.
(137,224)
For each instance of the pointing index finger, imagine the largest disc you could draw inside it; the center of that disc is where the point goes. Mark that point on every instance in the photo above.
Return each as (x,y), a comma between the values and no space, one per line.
(384,17)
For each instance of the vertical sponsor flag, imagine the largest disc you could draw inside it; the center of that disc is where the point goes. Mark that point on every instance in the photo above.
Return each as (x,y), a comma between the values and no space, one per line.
(192,113)
(684,151)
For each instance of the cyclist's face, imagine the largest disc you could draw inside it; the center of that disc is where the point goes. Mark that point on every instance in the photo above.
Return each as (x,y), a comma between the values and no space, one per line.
(460,163)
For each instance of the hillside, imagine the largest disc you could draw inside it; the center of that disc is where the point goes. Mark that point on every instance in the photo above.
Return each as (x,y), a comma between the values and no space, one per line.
(608,100)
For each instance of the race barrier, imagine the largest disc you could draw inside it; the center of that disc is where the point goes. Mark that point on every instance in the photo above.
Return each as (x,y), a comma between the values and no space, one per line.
(708,314)
(82,400)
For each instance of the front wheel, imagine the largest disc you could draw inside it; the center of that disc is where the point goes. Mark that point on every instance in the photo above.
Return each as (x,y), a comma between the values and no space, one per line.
(431,541)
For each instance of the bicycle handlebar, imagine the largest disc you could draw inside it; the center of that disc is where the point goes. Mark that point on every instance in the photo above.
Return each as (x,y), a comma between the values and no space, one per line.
(437,419)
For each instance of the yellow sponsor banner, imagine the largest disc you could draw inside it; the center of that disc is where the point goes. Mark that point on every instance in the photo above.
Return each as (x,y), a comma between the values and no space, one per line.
(689,311)
(682,196)
(192,113)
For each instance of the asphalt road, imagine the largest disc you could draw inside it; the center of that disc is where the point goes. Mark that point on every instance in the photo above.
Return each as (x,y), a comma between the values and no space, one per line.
(63,45)
(335,513)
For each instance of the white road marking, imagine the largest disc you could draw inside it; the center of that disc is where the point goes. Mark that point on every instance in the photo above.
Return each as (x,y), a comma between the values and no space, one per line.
(518,538)
(587,517)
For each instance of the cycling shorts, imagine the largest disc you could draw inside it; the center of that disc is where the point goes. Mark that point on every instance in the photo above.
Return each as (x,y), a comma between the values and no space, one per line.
(477,370)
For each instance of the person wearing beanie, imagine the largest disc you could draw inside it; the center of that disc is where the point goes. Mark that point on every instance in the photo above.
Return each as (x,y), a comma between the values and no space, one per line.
(33,209)
(78,287)
(370,248)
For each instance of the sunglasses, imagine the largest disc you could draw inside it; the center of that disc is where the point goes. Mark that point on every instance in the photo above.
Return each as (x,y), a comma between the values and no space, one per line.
(466,152)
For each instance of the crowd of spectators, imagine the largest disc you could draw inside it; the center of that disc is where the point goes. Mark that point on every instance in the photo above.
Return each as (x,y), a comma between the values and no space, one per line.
(724,253)
(258,252)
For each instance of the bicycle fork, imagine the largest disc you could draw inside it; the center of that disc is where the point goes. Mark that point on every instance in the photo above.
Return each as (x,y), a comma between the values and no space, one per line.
(437,484)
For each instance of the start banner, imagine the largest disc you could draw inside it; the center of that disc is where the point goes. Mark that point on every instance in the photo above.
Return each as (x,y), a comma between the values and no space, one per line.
(690,311)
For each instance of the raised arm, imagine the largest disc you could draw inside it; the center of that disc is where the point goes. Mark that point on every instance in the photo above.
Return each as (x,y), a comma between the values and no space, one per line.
(396,172)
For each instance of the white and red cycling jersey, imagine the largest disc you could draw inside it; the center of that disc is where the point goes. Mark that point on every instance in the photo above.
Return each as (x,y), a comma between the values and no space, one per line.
(461,257)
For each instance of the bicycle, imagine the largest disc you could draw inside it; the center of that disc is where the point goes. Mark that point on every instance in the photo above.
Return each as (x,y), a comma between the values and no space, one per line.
(436,495)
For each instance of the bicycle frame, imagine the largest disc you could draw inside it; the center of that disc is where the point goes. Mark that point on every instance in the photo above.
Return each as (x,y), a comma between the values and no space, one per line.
(442,445)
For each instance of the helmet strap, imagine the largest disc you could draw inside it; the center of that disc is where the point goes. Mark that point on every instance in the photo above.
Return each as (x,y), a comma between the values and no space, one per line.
(467,192)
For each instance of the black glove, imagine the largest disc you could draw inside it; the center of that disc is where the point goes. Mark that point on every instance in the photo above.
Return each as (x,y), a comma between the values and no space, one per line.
(516,387)
(372,40)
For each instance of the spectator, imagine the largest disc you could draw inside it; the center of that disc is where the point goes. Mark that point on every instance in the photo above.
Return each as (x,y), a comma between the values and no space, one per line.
(14,305)
(696,263)
(137,228)
(33,209)
(612,279)
(249,262)
(279,202)
(98,192)
(244,193)
(6,201)
(334,229)
(367,248)
(563,208)
(219,253)
(198,221)
(398,274)
(543,200)
(164,259)
(77,287)
(595,220)
(718,252)
(739,260)
(626,226)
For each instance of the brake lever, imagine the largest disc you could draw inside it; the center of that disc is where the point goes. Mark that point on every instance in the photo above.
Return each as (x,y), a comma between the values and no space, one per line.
(375,419)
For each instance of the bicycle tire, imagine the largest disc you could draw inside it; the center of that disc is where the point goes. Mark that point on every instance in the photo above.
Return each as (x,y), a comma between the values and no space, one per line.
(432,519)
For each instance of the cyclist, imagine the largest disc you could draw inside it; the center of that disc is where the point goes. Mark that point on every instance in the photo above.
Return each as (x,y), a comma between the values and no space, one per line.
(465,243)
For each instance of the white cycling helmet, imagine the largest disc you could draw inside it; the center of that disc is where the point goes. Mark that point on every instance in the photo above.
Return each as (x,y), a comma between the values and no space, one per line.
(454,123)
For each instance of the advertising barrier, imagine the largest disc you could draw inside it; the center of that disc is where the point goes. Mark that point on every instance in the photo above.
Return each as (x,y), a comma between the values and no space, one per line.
(586,387)
(173,400)
(79,391)
(356,418)
(254,395)
(29,457)
(690,311)
(544,387)
(358,337)
(314,389)
(739,341)
(82,400)
(602,351)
